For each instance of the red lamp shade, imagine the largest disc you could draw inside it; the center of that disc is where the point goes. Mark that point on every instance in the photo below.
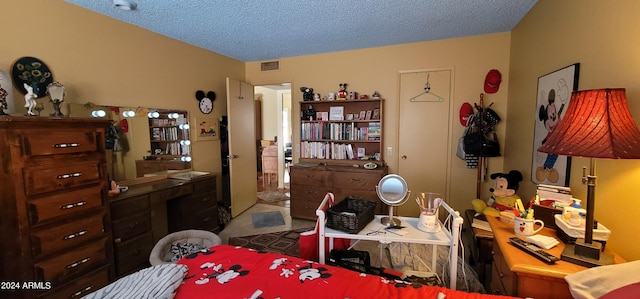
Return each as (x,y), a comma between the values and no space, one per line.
(597,124)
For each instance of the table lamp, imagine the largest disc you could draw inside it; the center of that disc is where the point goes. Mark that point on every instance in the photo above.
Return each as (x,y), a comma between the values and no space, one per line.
(597,124)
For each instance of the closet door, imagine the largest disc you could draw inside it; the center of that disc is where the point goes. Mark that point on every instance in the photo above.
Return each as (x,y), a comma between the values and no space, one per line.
(424,132)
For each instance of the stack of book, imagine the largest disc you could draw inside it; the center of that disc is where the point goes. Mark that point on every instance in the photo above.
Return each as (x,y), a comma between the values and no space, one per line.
(480,222)
(559,194)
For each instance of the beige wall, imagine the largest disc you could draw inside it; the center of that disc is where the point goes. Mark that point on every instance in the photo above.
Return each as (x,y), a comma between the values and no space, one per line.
(377,69)
(108,62)
(603,36)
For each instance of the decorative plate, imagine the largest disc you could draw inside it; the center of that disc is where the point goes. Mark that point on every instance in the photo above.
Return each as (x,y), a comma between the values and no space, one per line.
(33,72)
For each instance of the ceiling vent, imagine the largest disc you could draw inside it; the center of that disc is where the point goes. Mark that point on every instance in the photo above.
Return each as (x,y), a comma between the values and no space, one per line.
(270,66)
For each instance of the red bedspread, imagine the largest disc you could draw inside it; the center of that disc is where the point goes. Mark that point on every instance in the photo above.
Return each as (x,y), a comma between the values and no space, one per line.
(226,271)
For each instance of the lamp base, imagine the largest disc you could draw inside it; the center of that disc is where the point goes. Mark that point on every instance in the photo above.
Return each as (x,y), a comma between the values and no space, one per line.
(390,221)
(585,254)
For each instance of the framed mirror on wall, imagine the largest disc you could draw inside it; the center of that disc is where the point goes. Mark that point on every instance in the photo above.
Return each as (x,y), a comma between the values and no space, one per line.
(146,140)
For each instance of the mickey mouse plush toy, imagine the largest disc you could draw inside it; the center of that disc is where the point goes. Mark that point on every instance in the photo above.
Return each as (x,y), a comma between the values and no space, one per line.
(503,194)
(307,93)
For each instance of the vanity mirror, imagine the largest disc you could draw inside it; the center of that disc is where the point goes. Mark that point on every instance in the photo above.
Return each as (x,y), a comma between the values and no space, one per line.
(147,140)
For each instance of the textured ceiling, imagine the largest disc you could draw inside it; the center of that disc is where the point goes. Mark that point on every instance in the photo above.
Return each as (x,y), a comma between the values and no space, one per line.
(258,30)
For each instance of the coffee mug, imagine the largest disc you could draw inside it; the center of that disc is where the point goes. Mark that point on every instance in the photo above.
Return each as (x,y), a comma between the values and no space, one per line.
(524,227)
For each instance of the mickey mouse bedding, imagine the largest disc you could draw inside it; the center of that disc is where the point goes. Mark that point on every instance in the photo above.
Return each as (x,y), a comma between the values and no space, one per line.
(226,271)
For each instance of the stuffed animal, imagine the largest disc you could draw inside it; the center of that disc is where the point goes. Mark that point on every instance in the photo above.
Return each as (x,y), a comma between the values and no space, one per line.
(342,94)
(307,93)
(503,194)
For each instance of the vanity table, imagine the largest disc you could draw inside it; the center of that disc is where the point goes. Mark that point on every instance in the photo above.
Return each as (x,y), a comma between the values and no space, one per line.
(154,207)
(448,235)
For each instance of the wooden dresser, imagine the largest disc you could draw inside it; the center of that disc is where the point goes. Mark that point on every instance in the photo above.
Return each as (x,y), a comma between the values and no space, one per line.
(516,273)
(310,183)
(54,219)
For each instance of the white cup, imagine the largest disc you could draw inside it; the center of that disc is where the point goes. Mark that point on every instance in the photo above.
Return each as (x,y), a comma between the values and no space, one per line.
(428,223)
(524,227)
(331,96)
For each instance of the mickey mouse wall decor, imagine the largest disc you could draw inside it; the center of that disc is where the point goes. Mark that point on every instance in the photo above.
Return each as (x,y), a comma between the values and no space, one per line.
(206,101)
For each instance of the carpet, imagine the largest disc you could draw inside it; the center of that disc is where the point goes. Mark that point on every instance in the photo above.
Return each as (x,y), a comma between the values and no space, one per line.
(267,219)
(284,242)
(274,195)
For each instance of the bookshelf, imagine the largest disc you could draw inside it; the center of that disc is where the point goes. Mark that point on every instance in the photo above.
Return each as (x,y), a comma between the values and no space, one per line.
(341,131)
(169,144)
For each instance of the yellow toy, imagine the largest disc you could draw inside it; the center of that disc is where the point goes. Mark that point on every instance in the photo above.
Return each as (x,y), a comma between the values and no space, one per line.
(503,195)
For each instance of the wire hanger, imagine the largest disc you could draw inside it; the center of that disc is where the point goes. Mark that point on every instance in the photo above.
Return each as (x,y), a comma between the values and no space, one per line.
(427,91)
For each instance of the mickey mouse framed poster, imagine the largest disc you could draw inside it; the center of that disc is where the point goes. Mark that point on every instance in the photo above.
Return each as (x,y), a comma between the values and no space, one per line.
(554,94)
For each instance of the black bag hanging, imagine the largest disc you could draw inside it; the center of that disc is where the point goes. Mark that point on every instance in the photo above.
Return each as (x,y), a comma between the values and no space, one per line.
(480,138)
(110,136)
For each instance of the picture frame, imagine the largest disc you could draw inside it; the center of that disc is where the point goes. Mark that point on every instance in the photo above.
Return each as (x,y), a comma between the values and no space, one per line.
(553,96)
(206,129)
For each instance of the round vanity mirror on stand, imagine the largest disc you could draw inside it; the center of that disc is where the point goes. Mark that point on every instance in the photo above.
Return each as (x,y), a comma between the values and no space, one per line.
(393,191)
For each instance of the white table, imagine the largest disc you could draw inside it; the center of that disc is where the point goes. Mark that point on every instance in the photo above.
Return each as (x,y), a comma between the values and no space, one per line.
(446,236)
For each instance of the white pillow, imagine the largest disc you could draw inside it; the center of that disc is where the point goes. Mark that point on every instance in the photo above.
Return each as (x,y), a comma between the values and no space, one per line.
(159,281)
(616,281)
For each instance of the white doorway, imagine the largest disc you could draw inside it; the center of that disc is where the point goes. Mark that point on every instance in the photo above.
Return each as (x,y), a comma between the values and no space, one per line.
(275,126)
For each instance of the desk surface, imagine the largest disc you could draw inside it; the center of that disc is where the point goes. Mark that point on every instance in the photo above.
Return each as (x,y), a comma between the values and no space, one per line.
(521,262)
(410,225)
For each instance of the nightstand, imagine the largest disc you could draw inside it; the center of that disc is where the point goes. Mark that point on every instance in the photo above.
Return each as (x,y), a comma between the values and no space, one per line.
(516,273)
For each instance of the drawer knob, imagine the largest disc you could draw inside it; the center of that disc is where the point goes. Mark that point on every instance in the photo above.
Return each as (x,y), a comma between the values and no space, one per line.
(65,145)
(205,199)
(69,175)
(73,205)
(117,240)
(71,236)
(80,292)
(132,225)
(78,263)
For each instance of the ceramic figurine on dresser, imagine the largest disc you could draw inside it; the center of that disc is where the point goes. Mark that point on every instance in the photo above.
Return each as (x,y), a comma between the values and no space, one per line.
(30,99)
(56,93)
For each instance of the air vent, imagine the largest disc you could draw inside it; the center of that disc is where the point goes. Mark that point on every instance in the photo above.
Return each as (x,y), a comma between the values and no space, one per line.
(270,66)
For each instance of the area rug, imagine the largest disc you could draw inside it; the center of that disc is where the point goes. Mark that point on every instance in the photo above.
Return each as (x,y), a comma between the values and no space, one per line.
(267,219)
(285,242)
(274,195)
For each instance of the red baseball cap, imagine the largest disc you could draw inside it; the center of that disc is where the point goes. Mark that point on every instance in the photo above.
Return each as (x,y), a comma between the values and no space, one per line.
(466,110)
(492,81)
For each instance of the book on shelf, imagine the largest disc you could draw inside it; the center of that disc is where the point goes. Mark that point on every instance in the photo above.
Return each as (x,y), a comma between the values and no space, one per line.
(373,132)
(480,222)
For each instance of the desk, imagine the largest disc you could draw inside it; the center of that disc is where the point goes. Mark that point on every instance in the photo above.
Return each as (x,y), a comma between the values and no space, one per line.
(480,245)
(446,236)
(516,273)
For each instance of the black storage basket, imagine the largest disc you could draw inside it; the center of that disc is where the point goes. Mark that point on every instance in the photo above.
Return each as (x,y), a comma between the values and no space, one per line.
(350,215)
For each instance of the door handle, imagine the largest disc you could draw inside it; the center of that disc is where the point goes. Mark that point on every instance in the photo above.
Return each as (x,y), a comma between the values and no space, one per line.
(235,157)
(404,157)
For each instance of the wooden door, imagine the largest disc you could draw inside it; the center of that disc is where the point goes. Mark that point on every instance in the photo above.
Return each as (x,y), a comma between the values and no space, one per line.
(242,146)
(424,132)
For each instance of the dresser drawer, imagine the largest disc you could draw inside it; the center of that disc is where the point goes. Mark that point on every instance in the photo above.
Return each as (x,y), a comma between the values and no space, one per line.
(200,202)
(310,193)
(205,219)
(204,186)
(61,205)
(305,209)
(170,193)
(133,254)
(82,286)
(507,279)
(59,237)
(72,263)
(41,142)
(310,177)
(129,227)
(356,180)
(129,206)
(61,176)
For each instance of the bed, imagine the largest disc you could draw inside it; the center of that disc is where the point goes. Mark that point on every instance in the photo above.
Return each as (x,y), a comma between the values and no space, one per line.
(225,271)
